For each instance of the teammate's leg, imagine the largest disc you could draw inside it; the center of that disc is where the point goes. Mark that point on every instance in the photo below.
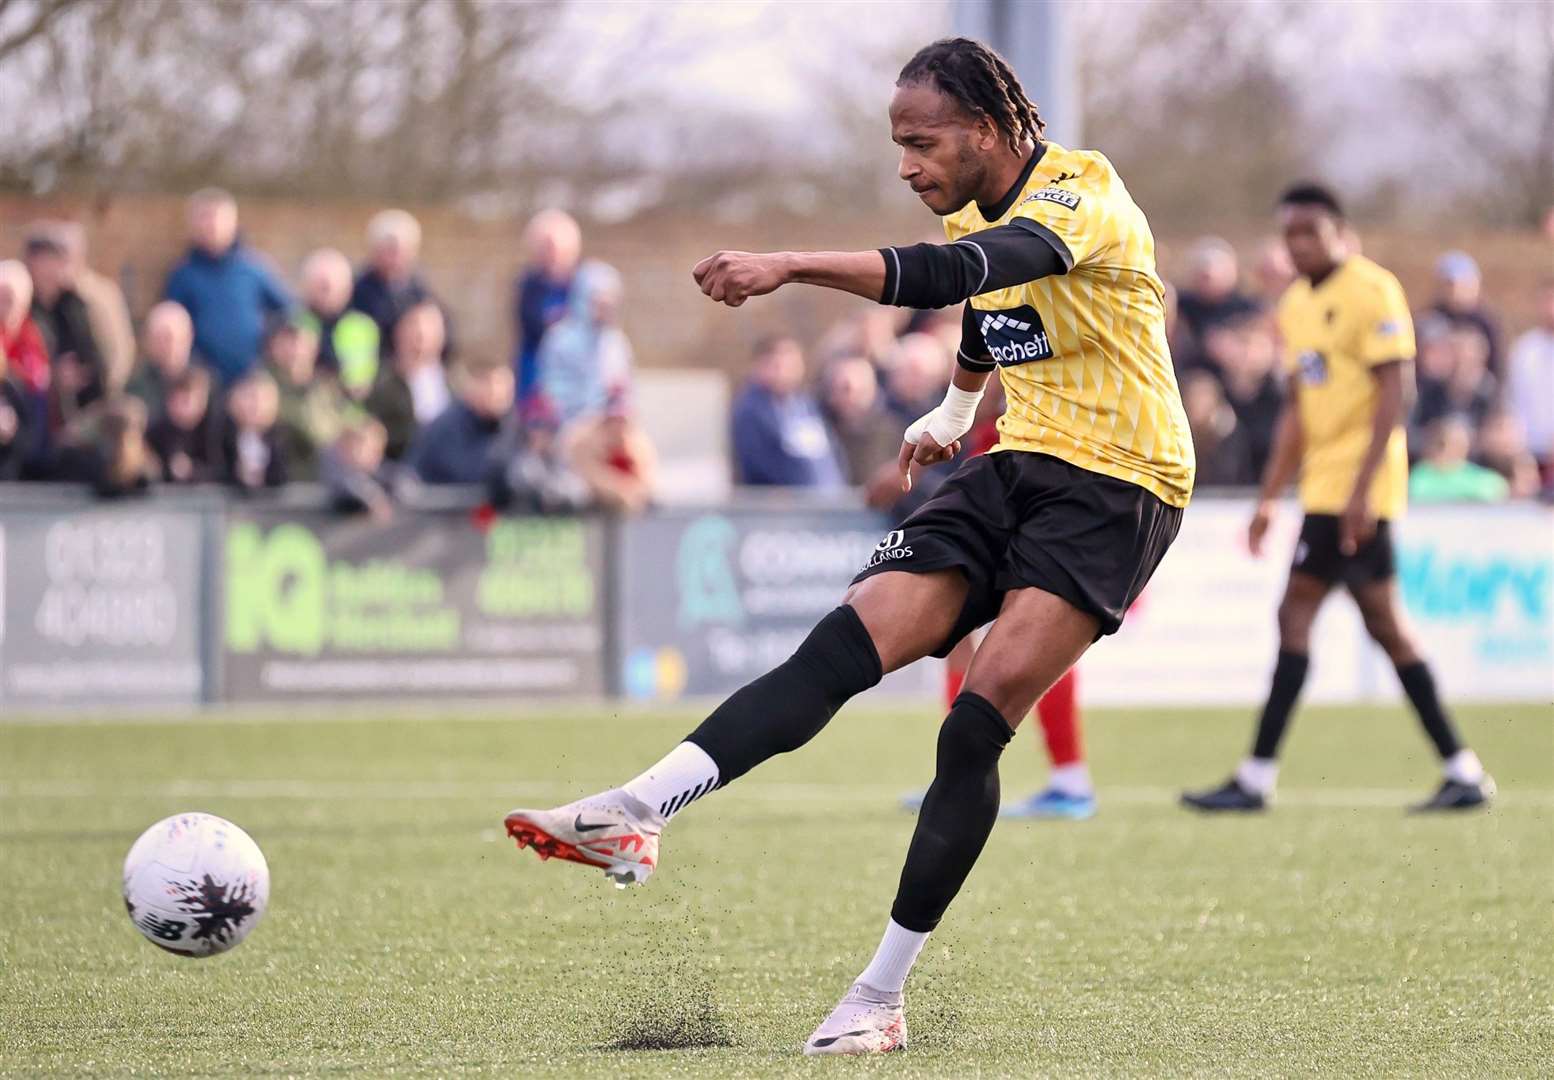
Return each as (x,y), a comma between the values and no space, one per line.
(884,623)
(1465,782)
(1254,780)
(1036,637)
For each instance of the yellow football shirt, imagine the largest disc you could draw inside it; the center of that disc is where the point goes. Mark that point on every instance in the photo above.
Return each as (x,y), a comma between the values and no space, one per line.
(1083,356)
(1334,334)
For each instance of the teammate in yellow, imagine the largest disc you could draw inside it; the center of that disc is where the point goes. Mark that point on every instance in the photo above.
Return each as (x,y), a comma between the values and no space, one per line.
(1050,536)
(1348,343)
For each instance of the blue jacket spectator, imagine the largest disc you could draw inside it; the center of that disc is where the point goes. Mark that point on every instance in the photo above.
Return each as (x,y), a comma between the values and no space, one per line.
(585,360)
(228,292)
(462,445)
(553,241)
(389,285)
(780,437)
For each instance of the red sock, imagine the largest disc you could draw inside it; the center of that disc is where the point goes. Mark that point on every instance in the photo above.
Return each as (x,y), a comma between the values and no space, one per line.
(1059,713)
(953,681)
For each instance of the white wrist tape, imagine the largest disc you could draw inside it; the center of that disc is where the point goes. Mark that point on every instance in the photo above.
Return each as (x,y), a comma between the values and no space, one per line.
(951,420)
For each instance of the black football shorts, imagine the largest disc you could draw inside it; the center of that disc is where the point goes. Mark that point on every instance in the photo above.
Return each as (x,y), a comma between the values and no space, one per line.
(1015,519)
(1317,553)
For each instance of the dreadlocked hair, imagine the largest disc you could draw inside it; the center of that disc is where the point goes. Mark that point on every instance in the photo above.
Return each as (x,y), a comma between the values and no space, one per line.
(983,83)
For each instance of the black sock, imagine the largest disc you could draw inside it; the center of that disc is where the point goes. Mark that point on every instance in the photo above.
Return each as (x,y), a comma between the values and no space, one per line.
(1419,685)
(787,707)
(1289,675)
(957,815)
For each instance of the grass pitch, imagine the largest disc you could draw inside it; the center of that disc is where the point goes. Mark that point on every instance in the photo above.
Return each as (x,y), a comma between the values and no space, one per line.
(407,936)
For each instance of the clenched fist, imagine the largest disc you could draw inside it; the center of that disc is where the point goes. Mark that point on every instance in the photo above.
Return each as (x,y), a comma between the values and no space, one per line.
(732,277)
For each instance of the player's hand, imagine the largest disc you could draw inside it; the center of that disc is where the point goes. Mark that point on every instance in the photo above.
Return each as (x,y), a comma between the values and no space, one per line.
(1257,528)
(924,452)
(732,277)
(1356,526)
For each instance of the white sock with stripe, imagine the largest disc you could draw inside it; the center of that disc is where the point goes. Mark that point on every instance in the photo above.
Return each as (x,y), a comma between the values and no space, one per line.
(684,775)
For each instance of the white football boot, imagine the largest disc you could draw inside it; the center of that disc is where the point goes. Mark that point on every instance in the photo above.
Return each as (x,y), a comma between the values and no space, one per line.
(868,1021)
(611,830)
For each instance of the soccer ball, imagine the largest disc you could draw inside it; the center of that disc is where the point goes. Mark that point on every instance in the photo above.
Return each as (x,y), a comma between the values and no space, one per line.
(195,884)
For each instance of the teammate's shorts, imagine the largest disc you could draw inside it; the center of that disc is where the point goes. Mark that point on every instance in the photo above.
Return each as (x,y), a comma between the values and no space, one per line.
(1317,553)
(1015,519)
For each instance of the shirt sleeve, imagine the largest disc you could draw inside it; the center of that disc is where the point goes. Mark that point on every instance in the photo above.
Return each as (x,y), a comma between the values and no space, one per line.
(937,275)
(1387,333)
(972,354)
(1072,222)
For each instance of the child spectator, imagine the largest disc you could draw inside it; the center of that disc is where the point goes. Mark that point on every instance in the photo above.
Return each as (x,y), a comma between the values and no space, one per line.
(414,391)
(779,435)
(1446,475)
(614,458)
(460,446)
(585,357)
(348,345)
(1502,446)
(311,408)
(359,480)
(183,437)
(166,342)
(229,293)
(252,450)
(552,242)
(389,285)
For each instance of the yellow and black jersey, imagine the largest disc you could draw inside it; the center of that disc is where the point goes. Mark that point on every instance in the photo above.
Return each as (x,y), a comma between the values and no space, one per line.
(1334,334)
(1082,352)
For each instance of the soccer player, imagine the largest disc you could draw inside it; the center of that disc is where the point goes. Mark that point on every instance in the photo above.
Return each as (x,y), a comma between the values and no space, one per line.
(1348,338)
(1050,536)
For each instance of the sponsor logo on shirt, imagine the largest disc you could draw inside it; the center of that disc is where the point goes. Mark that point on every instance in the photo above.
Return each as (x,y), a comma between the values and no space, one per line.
(1066,199)
(1015,336)
(1313,367)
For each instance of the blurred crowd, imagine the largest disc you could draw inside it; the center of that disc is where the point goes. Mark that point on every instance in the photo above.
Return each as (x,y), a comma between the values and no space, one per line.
(347,376)
(1480,423)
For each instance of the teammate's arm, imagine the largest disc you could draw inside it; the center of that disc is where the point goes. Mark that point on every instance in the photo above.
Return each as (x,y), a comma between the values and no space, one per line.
(1288,447)
(1357,523)
(917,276)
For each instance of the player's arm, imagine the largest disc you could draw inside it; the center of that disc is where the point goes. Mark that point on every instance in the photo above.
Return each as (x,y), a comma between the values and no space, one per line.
(916,276)
(1357,524)
(1289,445)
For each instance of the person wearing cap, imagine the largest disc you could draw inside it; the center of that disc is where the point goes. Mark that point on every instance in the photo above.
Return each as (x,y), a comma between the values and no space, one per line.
(1458,300)
(390,285)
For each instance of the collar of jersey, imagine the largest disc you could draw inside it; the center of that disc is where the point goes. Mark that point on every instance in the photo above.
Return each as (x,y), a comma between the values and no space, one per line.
(1001,207)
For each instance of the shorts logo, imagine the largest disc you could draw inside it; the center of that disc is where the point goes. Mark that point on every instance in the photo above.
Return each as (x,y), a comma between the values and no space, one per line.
(894,546)
(1015,336)
(1066,199)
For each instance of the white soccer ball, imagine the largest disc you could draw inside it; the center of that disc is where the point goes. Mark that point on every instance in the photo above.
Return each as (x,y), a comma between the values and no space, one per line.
(195,884)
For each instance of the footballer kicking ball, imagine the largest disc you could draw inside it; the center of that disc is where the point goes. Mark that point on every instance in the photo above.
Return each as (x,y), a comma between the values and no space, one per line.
(195,884)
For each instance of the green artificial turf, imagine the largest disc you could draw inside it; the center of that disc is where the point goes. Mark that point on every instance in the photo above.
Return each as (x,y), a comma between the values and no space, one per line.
(1334,936)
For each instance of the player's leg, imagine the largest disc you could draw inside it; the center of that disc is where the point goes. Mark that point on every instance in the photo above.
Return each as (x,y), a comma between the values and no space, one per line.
(1466,784)
(1036,637)
(884,623)
(1069,793)
(1253,782)
(955,666)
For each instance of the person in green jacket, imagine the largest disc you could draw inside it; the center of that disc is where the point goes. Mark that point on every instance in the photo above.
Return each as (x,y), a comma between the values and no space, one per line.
(348,343)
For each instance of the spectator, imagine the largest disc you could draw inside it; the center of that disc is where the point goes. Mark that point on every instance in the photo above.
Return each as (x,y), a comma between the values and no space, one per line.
(1220,441)
(357,476)
(184,436)
(461,445)
(585,358)
(253,453)
(16,418)
(311,410)
(348,346)
(60,313)
(228,292)
(867,436)
(1502,446)
(27,358)
(1210,297)
(1272,273)
(414,392)
(1244,355)
(916,372)
(552,242)
(113,457)
(390,285)
(105,309)
(1530,381)
(612,455)
(168,338)
(1446,474)
(1458,301)
(779,435)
